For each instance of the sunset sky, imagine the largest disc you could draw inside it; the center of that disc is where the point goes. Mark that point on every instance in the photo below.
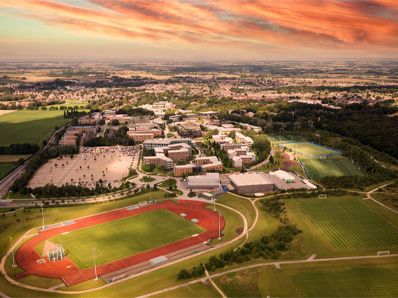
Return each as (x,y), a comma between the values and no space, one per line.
(198,29)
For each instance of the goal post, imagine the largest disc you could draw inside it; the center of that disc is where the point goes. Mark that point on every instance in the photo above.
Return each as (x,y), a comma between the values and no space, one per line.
(322,157)
(322,196)
(56,253)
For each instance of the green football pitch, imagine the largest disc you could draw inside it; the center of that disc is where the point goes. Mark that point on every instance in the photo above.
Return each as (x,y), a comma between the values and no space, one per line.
(29,126)
(319,168)
(374,282)
(350,224)
(125,237)
(309,149)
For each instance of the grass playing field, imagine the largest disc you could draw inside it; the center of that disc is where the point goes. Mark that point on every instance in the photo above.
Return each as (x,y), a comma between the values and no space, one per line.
(372,282)
(121,238)
(349,224)
(319,168)
(5,168)
(13,157)
(309,149)
(29,126)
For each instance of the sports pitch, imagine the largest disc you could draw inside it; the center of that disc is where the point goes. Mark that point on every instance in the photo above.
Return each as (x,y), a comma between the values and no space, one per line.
(376,282)
(349,224)
(309,149)
(319,168)
(125,237)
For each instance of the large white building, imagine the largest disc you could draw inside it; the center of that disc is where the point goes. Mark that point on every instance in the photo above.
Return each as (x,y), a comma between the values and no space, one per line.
(209,180)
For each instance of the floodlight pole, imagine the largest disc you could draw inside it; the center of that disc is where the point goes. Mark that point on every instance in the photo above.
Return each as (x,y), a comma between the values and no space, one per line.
(219,226)
(95,266)
(214,204)
(12,251)
(42,215)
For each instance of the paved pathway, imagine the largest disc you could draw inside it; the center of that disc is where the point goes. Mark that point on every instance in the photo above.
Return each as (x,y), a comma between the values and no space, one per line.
(369,196)
(214,285)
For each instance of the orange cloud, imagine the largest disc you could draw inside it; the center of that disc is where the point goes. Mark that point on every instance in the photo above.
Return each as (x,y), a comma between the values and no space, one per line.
(328,25)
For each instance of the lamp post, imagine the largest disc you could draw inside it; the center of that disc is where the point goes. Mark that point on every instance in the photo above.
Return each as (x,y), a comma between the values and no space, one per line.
(95,266)
(219,226)
(42,215)
(12,251)
(214,204)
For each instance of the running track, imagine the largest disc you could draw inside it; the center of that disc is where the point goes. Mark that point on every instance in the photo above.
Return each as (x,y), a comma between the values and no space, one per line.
(26,256)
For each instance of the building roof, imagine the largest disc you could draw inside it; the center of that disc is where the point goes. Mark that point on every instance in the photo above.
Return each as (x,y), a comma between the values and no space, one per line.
(206,181)
(282,175)
(247,179)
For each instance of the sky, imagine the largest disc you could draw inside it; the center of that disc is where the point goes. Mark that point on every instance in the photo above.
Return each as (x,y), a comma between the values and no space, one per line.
(198,29)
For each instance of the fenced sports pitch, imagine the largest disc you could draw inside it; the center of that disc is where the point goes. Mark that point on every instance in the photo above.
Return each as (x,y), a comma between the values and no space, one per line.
(309,149)
(316,168)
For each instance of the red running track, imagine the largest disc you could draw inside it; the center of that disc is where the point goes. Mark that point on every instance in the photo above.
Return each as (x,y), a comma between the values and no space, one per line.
(26,257)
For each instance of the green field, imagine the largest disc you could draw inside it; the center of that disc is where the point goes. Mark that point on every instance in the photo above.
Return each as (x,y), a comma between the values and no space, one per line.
(309,149)
(121,238)
(349,224)
(319,168)
(13,157)
(29,126)
(372,282)
(5,168)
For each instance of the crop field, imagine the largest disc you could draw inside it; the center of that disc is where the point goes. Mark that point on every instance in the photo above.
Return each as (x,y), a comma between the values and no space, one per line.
(309,149)
(5,168)
(121,238)
(372,282)
(319,168)
(29,126)
(349,224)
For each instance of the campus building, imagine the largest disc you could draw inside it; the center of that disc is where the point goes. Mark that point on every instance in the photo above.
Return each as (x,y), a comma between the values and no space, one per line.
(152,144)
(187,130)
(240,138)
(208,114)
(177,152)
(159,160)
(251,182)
(229,146)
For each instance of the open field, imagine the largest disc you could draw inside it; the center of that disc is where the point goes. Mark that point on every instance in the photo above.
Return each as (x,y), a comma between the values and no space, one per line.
(319,168)
(309,149)
(365,276)
(3,112)
(109,164)
(241,204)
(13,157)
(121,238)
(349,224)
(5,168)
(375,282)
(29,126)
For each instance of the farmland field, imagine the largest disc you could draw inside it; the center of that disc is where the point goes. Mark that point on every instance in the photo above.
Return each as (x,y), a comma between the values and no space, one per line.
(309,149)
(319,168)
(5,168)
(372,282)
(121,238)
(350,224)
(29,126)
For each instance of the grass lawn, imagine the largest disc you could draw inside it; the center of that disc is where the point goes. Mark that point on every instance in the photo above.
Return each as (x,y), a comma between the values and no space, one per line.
(5,168)
(8,209)
(168,182)
(350,224)
(377,282)
(348,278)
(233,221)
(147,179)
(121,238)
(12,195)
(29,126)
(195,290)
(13,157)
(170,135)
(240,204)
(266,225)
(319,168)
(309,149)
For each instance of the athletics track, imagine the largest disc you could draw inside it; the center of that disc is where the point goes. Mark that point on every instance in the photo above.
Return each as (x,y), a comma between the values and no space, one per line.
(26,257)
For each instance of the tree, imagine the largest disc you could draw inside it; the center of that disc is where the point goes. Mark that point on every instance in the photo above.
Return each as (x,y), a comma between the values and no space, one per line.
(101,122)
(115,122)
